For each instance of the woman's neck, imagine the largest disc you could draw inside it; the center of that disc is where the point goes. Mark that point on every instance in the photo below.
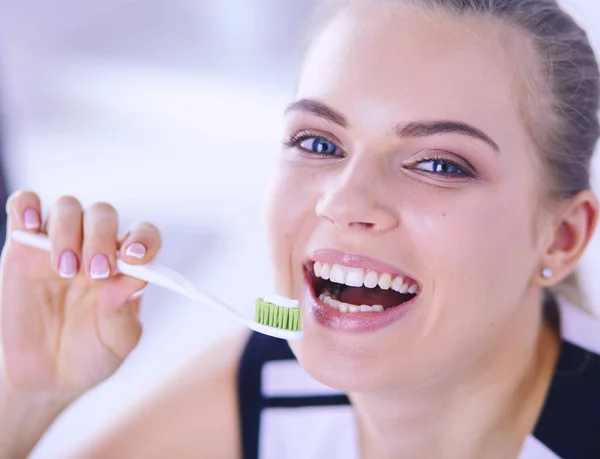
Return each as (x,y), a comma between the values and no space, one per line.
(484,411)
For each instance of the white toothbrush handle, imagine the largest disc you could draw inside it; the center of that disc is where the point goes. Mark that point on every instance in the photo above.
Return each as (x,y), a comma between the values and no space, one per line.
(165,277)
(153,273)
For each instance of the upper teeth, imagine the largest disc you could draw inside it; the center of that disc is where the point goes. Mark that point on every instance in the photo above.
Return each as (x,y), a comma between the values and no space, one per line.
(357,277)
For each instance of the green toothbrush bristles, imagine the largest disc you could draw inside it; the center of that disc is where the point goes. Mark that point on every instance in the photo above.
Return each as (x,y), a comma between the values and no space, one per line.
(277,316)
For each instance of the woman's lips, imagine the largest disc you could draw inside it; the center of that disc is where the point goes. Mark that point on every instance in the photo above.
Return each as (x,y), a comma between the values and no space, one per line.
(353,322)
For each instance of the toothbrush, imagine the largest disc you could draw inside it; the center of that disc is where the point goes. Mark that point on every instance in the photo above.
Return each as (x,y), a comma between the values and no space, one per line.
(276,315)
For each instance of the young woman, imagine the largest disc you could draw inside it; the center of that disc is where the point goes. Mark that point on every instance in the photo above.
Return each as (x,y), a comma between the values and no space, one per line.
(435,164)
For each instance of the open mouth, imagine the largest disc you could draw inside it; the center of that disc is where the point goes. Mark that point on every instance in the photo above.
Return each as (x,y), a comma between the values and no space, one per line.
(351,289)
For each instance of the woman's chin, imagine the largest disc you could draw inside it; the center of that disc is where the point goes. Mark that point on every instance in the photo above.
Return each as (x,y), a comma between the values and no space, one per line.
(352,359)
(348,368)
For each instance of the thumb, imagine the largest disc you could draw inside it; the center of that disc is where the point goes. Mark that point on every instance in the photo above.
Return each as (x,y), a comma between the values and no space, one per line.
(119,327)
(121,292)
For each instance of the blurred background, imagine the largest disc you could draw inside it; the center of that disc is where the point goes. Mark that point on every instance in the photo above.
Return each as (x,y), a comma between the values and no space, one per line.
(170,111)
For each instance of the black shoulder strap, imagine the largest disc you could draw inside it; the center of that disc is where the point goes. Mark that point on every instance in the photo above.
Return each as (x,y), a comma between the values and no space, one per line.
(259,350)
(570,421)
(3,184)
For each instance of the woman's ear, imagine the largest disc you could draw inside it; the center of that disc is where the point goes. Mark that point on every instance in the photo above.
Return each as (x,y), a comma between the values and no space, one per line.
(573,229)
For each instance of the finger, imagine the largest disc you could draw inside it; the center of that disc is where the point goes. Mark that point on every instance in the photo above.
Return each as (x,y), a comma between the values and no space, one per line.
(24,212)
(140,244)
(65,230)
(121,332)
(137,295)
(119,327)
(126,293)
(100,228)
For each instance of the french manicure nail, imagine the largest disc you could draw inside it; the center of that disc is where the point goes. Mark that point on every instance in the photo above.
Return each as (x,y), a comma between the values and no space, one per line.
(137,294)
(31,217)
(136,250)
(68,264)
(99,267)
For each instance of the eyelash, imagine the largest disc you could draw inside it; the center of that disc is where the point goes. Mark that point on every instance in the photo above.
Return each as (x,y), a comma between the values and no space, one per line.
(465,172)
(295,140)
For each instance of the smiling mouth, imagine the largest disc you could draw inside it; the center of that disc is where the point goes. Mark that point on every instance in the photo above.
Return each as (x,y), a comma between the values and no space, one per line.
(351,289)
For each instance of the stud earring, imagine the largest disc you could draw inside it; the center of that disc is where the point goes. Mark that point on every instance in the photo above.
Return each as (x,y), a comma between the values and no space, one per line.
(546,273)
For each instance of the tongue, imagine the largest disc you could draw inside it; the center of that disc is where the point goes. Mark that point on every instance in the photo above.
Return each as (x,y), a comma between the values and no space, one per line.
(369,296)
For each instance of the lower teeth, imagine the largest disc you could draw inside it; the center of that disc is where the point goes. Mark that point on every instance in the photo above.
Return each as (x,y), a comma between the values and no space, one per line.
(345,307)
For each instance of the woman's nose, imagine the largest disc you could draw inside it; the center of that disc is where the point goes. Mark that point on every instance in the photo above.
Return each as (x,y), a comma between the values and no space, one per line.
(356,199)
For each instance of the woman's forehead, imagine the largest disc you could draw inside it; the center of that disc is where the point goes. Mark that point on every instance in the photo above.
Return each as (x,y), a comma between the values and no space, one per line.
(378,68)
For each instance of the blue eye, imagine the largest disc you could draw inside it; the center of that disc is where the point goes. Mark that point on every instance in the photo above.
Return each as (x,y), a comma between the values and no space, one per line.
(314,144)
(318,145)
(441,167)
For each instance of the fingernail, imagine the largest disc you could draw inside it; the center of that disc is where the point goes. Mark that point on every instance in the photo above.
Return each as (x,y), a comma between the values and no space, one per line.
(31,219)
(137,294)
(136,250)
(99,267)
(68,264)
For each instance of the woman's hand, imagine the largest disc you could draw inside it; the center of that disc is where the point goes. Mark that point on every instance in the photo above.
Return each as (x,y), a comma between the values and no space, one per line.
(67,320)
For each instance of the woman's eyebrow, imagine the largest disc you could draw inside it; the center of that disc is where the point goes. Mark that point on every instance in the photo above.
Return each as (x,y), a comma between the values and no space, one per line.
(413,129)
(428,128)
(318,109)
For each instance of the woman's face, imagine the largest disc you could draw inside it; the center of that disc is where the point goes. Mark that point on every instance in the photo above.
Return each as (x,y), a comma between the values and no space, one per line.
(407,163)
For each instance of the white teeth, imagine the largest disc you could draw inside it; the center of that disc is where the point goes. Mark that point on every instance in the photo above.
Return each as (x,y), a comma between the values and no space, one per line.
(414,288)
(330,301)
(317,267)
(337,274)
(385,281)
(397,284)
(345,307)
(371,279)
(355,277)
(325,271)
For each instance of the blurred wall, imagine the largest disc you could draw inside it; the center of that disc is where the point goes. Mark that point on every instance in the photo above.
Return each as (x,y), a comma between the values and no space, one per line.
(170,111)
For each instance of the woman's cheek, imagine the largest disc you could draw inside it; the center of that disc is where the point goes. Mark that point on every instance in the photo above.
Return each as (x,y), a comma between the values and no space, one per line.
(293,198)
(291,221)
